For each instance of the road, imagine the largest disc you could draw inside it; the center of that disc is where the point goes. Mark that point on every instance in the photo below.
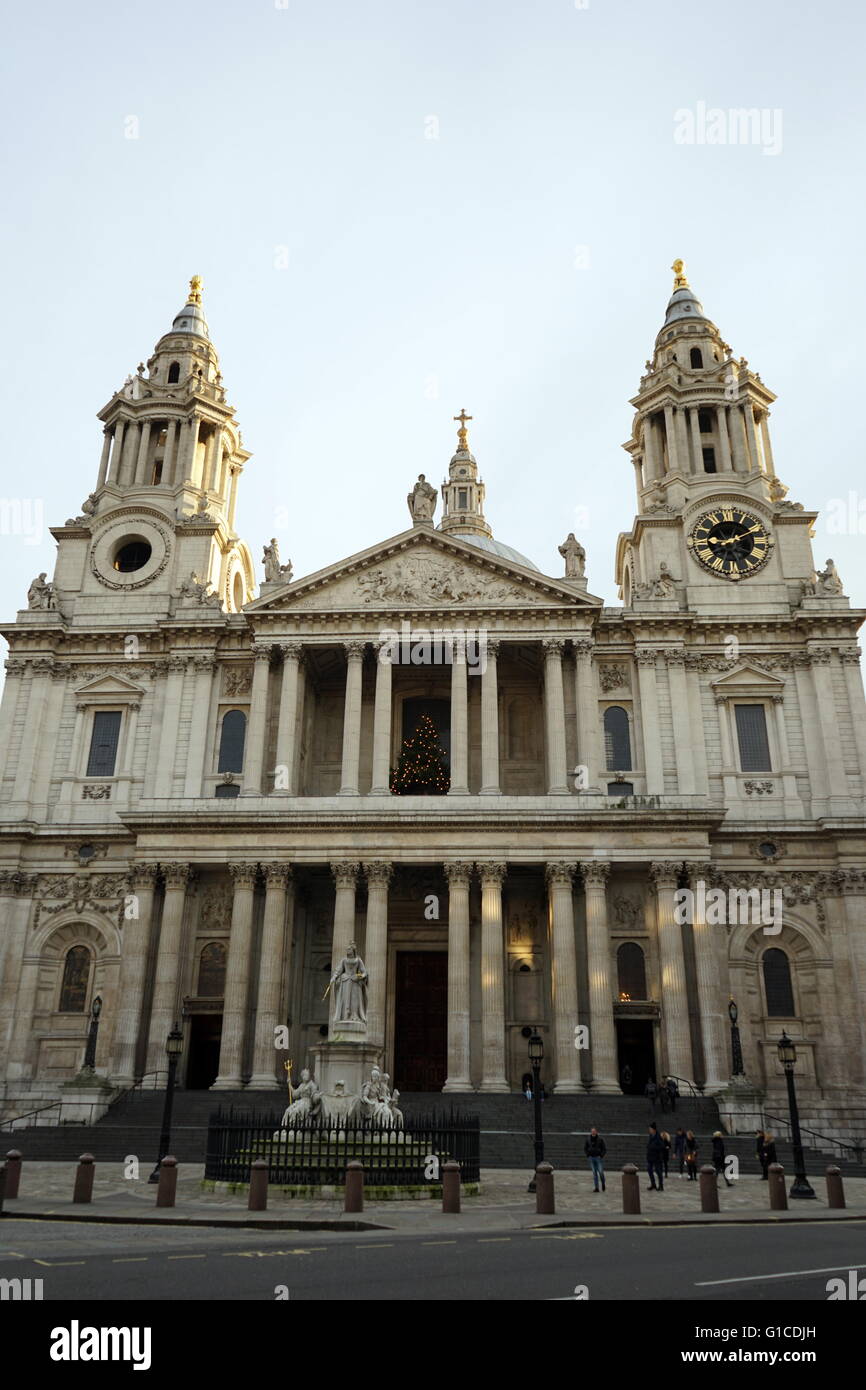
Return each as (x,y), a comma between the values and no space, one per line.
(706,1263)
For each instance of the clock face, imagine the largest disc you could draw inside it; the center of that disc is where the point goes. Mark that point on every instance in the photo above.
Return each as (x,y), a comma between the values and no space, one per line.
(730,543)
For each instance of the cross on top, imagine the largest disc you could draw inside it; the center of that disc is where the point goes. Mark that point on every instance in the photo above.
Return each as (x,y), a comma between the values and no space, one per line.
(462,417)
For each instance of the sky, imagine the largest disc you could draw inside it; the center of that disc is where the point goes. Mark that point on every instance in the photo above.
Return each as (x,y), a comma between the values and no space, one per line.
(402,208)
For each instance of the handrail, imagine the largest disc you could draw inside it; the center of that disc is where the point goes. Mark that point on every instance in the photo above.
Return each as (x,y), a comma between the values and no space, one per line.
(845,1148)
(694,1088)
(12,1122)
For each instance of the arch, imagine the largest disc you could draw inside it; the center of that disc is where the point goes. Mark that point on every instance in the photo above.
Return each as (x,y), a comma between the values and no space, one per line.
(631,971)
(696,359)
(617,739)
(212,970)
(75,981)
(233,734)
(173,373)
(778,983)
(70,928)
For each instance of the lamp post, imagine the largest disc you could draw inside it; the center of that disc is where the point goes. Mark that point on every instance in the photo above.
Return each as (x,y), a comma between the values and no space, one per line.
(737,1068)
(173,1047)
(801,1186)
(90,1049)
(536,1057)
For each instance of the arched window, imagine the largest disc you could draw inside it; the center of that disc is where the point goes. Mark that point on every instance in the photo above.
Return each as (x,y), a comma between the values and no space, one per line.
(777,984)
(696,358)
(617,744)
(232,738)
(76,975)
(631,971)
(212,971)
(174,372)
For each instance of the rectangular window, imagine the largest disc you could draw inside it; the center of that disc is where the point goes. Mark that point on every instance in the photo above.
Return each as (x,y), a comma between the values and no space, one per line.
(103,743)
(752,738)
(709,460)
(462,495)
(705,421)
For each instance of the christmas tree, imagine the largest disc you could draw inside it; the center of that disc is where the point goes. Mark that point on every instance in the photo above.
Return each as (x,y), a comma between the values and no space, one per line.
(422,768)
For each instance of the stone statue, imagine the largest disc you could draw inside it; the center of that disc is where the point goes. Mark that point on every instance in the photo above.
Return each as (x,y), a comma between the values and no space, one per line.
(392,1097)
(349,982)
(422,500)
(88,506)
(275,573)
(663,586)
(305,1101)
(378,1106)
(193,590)
(574,555)
(40,596)
(826,583)
(777,490)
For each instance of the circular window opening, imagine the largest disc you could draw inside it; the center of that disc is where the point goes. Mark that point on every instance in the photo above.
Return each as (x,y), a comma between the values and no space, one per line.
(238,592)
(132,555)
(768,850)
(86,852)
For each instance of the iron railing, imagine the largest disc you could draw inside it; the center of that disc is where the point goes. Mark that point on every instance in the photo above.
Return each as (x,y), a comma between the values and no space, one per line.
(852,1151)
(314,1154)
(27,1119)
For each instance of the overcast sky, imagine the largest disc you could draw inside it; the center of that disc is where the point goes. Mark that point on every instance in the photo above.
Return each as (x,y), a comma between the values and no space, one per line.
(401,208)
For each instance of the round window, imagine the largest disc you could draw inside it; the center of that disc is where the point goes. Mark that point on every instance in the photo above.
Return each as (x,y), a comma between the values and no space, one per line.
(132,555)
(767,850)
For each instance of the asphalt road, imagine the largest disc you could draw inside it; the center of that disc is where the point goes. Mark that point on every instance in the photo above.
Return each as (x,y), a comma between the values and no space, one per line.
(719,1263)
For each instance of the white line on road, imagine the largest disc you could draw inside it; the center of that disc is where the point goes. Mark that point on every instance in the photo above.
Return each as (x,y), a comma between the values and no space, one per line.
(788,1274)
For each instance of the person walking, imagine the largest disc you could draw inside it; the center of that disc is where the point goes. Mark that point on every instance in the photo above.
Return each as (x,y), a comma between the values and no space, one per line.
(768,1153)
(666,1147)
(673,1091)
(680,1149)
(595,1150)
(655,1159)
(760,1139)
(651,1091)
(663,1094)
(691,1156)
(719,1157)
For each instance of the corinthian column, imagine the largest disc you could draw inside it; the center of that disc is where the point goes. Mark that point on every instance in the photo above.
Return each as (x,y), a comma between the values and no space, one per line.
(554,710)
(458,874)
(382,722)
(490,722)
(713,991)
(589,749)
(254,752)
(649,713)
(459,721)
(674,1000)
(268,1011)
(564,976)
(602,1032)
(492,978)
(133,969)
(287,723)
(376,948)
(164,1006)
(237,979)
(352,719)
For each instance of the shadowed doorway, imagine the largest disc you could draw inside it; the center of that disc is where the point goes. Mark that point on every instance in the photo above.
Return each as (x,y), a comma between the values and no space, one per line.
(420,1025)
(634,1037)
(205,1033)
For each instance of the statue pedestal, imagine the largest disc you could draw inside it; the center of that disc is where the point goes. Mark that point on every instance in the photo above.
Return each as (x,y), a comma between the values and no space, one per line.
(347,1056)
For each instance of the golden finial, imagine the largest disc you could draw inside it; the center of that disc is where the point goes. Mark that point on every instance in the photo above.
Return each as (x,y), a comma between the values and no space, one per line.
(680,281)
(462,433)
(195,290)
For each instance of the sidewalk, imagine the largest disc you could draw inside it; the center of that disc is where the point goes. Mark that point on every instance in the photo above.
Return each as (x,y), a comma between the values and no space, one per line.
(502,1204)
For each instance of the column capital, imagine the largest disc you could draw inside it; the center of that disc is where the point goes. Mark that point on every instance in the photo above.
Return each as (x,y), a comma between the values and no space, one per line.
(583,648)
(492,872)
(665,873)
(559,875)
(205,661)
(176,875)
(553,646)
(646,656)
(277,873)
(291,651)
(144,875)
(354,650)
(379,872)
(261,651)
(345,875)
(244,873)
(491,647)
(595,873)
(458,873)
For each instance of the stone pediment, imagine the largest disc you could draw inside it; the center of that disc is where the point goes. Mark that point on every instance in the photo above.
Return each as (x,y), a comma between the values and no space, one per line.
(422,569)
(108,687)
(747,679)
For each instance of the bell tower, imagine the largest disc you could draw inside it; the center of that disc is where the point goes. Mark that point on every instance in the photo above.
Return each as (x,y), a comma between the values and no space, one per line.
(463,491)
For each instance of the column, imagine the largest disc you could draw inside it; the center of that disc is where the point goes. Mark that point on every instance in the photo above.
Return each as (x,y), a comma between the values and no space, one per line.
(16,669)
(840,802)
(117,452)
(724,441)
(589,745)
(345,881)
(697,443)
(237,979)
(459,720)
(254,752)
(130,448)
(554,712)
(216,460)
(41,673)
(179,456)
(765,440)
(564,976)
(382,722)
(674,1000)
(352,718)
(169,455)
(16,905)
(850,658)
(675,660)
(816,763)
(458,873)
(738,439)
(730,766)
(143,447)
(286,771)
(269,1013)
(103,462)
(752,436)
(682,438)
(696,724)
(176,666)
(649,713)
(137,926)
(602,1029)
(793,804)
(673,459)
(188,467)
(164,1008)
(49,716)
(650,451)
(125,761)
(492,979)
(204,666)
(376,948)
(713,988)
(490,721)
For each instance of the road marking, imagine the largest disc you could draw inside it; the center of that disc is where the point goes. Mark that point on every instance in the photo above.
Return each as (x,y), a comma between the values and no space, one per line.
(789,1274)
(578,1235)
(439,1242)
(186,1257)
(268,1254)
(57,1264)
(129,1259)
(389,1245)
(492,1240)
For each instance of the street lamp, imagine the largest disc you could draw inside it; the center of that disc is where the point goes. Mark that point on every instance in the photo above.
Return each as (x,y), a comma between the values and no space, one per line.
(536,1057)
(736,1047)
(90,1050)
(801,1186)
(173,1047)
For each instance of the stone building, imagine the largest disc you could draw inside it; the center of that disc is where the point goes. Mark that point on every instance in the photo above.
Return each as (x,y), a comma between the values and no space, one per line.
(196,808)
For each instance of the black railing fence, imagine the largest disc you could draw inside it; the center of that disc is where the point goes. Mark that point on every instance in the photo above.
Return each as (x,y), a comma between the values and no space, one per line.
(313,1154)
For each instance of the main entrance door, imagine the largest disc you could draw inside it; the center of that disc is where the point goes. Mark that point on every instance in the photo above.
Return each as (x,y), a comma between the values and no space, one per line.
(205,1033)
(634,1038)
(420,1032)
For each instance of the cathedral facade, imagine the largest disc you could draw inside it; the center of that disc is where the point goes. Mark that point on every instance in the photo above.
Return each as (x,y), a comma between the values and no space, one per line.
(629,816)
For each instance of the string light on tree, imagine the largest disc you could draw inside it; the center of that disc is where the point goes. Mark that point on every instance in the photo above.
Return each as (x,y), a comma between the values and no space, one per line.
(422,768)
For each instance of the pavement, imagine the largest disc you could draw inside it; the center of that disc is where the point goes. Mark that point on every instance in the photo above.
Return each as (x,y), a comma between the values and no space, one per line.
(502,1203)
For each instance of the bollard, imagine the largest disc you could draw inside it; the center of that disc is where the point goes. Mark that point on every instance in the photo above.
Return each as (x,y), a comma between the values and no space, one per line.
(165,1193)
(451,1187)
(630,1191)
(258,1198)
(776,1183)
(84,1175)
(13,1172)
(544,1202)
(2,1186)
(709,1188)
(835,1190)
(354,1198)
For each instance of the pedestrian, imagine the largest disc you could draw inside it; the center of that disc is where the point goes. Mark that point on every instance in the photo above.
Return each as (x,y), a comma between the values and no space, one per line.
(651,1090)
(595,1150)
(663,1094)
(673,1091)
(760,1139)
(719,1157)
(655,1159)
(768,1153)
(666,1143)
(691,1156)
(680,1149)
(626,1077)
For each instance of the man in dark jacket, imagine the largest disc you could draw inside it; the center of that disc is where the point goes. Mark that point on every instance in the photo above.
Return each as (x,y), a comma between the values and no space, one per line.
(654,1159)
(595,1150)
(719,1157)
(680,1149)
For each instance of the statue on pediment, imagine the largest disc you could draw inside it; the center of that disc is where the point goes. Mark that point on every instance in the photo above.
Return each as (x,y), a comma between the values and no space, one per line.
(422,500)
(275,573)
(574,555)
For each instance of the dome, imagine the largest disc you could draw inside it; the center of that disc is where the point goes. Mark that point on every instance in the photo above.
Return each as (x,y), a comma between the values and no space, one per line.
(683,304)
(505,552)
(191,319)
